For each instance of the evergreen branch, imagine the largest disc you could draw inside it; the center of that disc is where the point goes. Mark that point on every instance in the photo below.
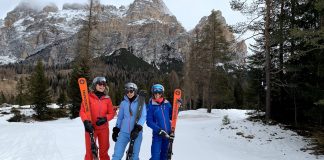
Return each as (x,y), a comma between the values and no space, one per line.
(247,28)
(252,36)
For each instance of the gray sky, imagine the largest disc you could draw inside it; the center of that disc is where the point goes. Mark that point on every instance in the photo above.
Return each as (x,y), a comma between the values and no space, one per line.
(188,12)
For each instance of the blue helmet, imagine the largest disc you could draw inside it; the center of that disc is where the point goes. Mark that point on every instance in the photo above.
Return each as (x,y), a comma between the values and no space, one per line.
(157,88)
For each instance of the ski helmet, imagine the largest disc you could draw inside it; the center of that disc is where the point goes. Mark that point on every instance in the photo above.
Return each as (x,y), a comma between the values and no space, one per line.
(157,88)
(130,86)
(98,80)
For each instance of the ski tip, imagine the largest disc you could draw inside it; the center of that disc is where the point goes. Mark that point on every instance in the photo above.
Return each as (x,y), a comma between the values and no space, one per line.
(82,80)
(177,92)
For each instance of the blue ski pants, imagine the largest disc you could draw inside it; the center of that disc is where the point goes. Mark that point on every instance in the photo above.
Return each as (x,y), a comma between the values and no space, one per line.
(159,148)
(121,144)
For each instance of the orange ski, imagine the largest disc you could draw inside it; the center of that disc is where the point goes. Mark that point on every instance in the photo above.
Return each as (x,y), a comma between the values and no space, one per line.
(176,98)
(84,95)
(85,100)
(175,109)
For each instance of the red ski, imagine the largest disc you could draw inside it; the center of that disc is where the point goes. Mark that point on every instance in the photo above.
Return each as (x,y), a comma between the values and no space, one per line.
(85,100)
(175,110)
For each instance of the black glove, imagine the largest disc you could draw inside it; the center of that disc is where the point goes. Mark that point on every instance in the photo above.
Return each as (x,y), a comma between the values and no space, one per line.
(179,101)
(88,126)
(164,134)
(116,131)
(101,121)
(137,128)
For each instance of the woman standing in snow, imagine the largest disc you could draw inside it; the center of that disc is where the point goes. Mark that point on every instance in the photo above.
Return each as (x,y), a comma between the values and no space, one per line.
(101,109)
(126,129)
(159,116)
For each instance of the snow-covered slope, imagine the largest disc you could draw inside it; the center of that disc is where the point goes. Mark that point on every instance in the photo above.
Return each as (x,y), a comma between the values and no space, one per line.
(198,136)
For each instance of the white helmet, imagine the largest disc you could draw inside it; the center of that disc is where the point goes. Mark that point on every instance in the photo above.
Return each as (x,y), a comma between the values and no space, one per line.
(130,86)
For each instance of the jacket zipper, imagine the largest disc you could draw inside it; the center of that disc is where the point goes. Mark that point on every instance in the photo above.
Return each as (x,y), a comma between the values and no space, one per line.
(165,128)
(130,113)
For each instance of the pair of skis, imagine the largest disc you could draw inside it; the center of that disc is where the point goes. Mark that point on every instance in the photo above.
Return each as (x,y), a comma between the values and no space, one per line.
(141,102)
(85,100)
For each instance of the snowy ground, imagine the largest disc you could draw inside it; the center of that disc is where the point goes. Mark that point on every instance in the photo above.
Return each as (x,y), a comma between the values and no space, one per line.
(198,136)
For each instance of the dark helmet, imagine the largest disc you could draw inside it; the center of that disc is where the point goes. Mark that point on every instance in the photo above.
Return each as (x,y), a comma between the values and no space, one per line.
(157,88)
(130,86)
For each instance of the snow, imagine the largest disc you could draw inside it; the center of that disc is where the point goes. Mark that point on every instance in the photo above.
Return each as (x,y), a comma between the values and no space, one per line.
(199,135)
(69,16)
(120,12)
(55,106)
(7,59)
(145,21)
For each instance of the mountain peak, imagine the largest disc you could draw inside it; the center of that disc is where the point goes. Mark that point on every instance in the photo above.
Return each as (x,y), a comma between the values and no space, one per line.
(142,9)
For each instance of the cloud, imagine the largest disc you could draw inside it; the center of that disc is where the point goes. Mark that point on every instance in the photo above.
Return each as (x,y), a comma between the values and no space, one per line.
(34,4)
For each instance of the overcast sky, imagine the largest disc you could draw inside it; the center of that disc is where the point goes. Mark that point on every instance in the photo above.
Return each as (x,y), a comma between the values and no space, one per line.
(188,12)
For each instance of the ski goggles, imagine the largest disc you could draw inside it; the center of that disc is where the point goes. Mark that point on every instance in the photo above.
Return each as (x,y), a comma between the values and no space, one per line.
(158,92)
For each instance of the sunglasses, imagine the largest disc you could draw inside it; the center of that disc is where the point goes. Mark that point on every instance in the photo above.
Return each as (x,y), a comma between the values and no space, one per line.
(129,91)
(101,83)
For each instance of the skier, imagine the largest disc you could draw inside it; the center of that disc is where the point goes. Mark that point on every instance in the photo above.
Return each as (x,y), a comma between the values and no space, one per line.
(125,128)
(159,116)
(101,109)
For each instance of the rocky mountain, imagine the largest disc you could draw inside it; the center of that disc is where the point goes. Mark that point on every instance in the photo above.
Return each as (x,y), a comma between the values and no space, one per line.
(146,28)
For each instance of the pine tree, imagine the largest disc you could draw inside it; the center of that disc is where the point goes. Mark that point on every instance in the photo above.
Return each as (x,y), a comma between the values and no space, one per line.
(83,60)
(2,98)
(21,95)
(262,30)
(80,69)
(209,51)
(62,99)
(39,92)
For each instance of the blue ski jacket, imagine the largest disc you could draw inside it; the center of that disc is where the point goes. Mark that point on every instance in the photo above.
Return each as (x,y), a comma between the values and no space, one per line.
(126,121)
(159,116)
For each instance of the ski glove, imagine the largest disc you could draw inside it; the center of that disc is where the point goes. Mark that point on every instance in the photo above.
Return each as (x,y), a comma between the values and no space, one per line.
(179,101)
(101,121)
(88,126)
(135,131)
(116,131)
(164,134)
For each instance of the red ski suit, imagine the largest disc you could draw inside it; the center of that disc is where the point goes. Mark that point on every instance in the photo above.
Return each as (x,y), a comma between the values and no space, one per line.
(99,108)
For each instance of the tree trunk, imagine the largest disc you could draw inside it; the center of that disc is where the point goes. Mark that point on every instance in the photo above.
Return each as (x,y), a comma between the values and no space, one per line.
(281,52)
(292,50)
(267,47)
